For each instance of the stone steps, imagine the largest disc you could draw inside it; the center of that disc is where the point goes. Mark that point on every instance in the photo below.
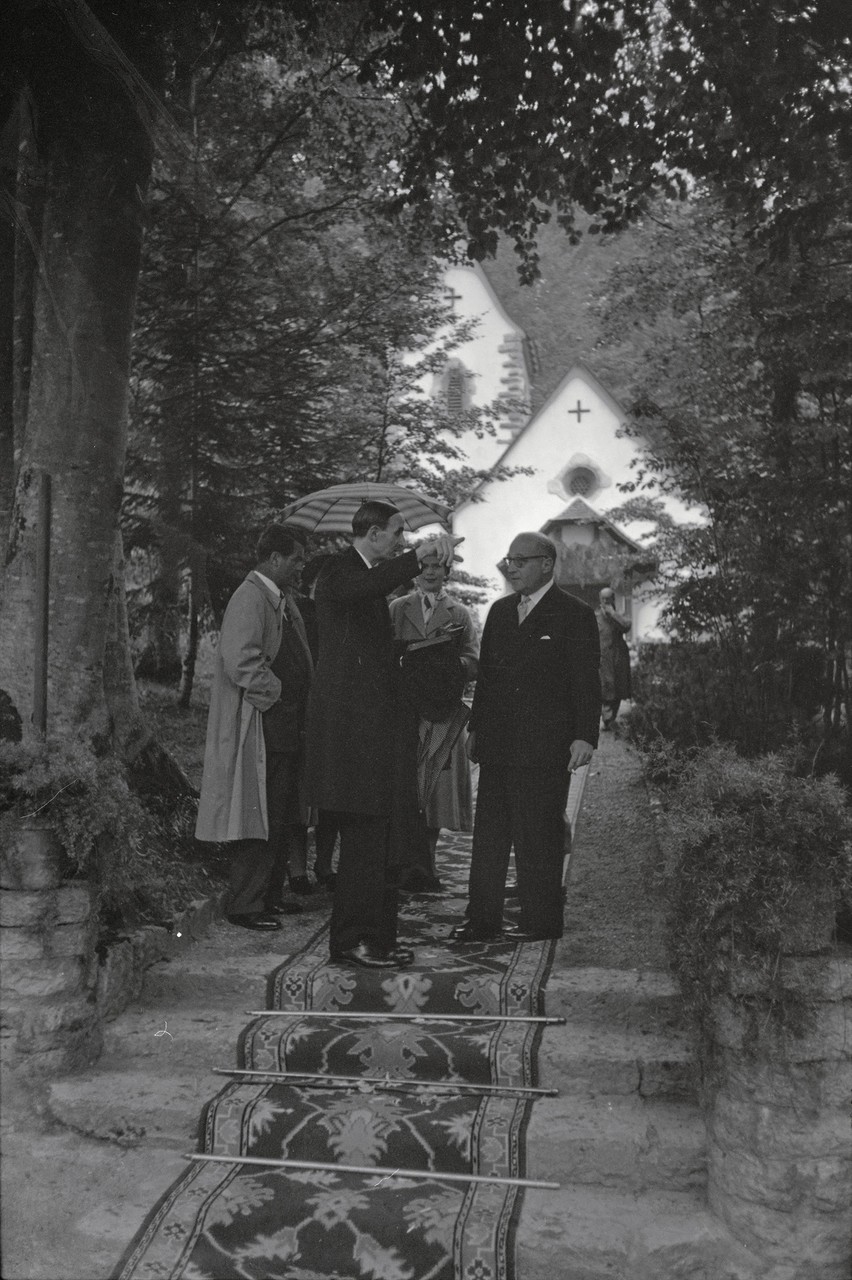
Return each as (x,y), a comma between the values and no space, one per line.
(624,1138)
(171,1125)
(595,1059)
(619,1142)
(602,1233)
(631,999)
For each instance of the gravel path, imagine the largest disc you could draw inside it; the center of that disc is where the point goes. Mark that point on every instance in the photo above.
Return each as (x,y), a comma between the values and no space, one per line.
(614,913)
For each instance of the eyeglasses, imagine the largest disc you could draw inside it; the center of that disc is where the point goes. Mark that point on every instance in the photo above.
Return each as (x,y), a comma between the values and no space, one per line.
(519,561)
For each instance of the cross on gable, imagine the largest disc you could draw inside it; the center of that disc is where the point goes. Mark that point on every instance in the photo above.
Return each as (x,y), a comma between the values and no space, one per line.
(579,411)
(451,295)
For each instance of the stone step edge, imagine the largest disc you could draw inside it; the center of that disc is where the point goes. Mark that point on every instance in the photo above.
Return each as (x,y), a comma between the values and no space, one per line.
(123,963)
(586,1230)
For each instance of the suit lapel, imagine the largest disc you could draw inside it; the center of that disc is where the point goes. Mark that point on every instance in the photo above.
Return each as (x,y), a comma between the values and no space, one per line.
(295,635)
(441,615)
(534,625)
(413,611)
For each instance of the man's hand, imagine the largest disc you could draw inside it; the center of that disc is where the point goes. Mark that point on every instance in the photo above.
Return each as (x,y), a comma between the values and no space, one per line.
(581,754)
(443,547)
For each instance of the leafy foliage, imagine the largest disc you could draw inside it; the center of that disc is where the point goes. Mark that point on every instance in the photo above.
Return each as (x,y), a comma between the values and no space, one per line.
(139,858)
(692,693)
(284,328)
(743,387)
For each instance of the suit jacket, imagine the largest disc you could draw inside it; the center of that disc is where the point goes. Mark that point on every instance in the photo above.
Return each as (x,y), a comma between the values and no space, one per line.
(408,623)
(539,683)
(284,722)
(352,708)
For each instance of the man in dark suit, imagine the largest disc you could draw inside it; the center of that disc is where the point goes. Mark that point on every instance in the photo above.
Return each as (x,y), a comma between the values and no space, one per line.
(351,726)
(535,718)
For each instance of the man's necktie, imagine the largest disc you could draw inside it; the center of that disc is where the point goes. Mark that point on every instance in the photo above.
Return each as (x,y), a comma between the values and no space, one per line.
(523,607)
(428,606)
(285,612)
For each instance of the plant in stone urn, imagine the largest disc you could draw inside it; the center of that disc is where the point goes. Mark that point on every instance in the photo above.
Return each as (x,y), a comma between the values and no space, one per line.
(67,813)
(759,862)
(57,801)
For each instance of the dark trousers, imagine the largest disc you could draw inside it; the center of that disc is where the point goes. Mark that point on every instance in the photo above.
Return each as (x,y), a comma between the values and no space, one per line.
(365,895)
(288,834)
(325,835)
(524,808)
(259,867)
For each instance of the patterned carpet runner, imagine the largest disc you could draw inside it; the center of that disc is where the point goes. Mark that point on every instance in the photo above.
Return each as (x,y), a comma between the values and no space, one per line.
(380,1094)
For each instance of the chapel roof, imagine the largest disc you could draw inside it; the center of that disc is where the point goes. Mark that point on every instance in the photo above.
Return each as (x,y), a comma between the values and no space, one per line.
(579,511)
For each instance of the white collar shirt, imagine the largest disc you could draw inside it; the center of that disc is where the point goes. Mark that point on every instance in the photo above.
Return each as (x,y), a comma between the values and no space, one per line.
(532,600)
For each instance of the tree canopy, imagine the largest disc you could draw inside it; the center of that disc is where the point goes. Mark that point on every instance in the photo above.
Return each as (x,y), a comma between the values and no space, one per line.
(506,113)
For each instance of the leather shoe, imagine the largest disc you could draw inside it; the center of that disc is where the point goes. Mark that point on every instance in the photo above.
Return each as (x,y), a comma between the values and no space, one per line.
(366,956)
(255,920)
(286,909)
(466,933)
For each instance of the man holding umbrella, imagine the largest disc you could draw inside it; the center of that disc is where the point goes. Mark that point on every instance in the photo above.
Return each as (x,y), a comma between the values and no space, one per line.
(351,725)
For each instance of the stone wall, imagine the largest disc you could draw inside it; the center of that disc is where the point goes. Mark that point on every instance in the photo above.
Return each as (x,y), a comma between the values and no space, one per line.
(778,1124)
(57,985)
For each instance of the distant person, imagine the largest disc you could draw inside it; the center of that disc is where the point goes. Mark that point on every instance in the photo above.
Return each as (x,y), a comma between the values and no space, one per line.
(351,727)
(615,656)
(251,793)
(535,717)
(426,613)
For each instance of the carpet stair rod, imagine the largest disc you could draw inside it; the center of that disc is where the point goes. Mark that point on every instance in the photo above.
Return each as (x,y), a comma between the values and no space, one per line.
(427,1175)
(386,1082)
(380,1016)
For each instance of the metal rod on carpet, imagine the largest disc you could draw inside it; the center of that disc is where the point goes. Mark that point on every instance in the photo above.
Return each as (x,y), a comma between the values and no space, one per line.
(379,1015)
(427,1175)
(457,1085)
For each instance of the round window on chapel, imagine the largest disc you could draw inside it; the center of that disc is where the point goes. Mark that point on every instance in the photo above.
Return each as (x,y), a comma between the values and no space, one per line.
(581,482)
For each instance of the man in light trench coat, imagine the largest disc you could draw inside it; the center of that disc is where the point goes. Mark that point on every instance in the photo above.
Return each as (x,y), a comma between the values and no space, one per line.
(251,787)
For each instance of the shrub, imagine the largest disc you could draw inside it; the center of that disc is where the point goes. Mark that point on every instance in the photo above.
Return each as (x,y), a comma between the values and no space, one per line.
(140,862)
(694,693)
(752,848)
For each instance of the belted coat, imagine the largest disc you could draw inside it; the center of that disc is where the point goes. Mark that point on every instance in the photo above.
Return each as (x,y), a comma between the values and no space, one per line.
(232,805)
(450,801)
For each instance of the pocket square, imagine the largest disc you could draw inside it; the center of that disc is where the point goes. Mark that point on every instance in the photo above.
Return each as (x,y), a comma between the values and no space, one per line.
(544,637)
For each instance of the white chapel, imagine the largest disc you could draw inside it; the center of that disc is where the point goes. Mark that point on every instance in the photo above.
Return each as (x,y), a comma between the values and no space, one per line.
(573,454)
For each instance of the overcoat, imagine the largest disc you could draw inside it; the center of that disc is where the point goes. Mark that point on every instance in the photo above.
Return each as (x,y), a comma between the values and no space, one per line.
(539,682)
(233,788)
(615,656)
(450,805)
(351,713)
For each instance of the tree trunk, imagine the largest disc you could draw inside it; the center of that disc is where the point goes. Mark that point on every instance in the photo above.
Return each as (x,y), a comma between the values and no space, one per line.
(7,359)
(187,676)
(97,160)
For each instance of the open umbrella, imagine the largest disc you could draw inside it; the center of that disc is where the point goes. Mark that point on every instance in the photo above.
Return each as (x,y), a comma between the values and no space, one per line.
(331,510)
